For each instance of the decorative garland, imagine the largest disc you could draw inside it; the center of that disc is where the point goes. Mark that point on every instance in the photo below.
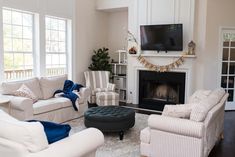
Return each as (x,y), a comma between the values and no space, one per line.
(161,68)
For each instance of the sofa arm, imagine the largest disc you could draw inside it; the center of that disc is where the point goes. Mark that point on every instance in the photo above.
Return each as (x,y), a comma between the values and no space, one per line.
(12,149)
(85,92)
(21,107)
(176,125)
(21,103)
(77,145)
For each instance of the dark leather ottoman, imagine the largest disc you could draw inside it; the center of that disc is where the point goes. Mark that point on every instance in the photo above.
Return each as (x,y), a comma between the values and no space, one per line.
(110,119)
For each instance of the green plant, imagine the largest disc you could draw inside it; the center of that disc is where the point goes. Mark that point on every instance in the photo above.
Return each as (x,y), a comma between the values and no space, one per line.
(100,60)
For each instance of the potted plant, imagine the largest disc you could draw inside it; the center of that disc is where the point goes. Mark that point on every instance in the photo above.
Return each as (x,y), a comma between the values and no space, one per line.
(100,60)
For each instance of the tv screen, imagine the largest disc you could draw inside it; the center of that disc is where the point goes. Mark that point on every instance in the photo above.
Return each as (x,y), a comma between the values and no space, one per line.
(162,37)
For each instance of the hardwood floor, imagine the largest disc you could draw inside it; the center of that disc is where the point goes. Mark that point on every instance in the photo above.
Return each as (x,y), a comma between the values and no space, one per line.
(226,147)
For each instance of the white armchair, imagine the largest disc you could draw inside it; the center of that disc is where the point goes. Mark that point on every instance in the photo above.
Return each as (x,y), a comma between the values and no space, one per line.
(20,142)
(177,137)
(98,81)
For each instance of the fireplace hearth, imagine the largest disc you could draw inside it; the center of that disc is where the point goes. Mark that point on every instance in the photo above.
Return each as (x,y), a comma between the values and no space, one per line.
(157,89)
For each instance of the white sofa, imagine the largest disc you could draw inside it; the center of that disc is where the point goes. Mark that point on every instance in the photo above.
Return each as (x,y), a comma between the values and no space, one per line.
(169,136)
(24,139)
(47,107)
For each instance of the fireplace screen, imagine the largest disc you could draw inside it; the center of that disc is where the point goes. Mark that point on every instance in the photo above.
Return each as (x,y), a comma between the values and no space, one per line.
(157,89)
(162,92)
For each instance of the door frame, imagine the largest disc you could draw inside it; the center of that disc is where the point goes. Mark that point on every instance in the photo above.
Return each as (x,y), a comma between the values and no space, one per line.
(228,106)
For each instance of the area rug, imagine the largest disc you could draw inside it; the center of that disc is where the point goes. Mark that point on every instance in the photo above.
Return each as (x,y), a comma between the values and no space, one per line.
(113,147)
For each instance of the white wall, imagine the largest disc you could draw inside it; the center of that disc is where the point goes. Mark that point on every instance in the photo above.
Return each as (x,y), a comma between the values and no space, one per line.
(91,33)
(218,14)
(152,12)
(117,32)
(112,4)
(61,8)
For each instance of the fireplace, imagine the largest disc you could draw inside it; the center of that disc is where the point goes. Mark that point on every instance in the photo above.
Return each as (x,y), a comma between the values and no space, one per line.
(157,89)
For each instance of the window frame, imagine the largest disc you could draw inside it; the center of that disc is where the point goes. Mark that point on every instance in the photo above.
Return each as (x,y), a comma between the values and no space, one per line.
(66,42)
(33,50)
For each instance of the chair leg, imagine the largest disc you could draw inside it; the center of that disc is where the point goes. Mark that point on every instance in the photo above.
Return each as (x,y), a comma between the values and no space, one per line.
(222,136)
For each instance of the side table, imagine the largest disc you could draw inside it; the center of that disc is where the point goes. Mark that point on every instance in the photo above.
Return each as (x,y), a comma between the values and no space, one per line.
(5,102)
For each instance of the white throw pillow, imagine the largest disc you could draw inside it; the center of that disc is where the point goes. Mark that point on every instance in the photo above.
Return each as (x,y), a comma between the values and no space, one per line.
(50,84)
(32,84)
(29,134)
(199,95)
(24,91)
(178,111)
(200,111)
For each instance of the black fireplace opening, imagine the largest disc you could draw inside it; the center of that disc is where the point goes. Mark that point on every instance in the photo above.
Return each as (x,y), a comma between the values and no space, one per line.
(159,88)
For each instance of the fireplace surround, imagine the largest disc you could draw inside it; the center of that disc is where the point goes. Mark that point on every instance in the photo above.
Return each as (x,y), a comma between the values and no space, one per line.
(157,89)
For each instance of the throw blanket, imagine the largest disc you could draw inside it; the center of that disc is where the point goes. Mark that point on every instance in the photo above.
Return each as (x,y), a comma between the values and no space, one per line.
(54,131)
(67,91)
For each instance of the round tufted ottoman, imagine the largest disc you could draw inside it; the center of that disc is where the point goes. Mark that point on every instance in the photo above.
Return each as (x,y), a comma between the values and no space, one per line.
(110,119)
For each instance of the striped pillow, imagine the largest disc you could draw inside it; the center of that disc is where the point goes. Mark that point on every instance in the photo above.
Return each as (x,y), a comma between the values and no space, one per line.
(177,111)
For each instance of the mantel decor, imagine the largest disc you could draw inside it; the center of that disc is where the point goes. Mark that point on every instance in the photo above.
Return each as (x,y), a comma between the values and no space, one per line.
(161,68)
(150,66)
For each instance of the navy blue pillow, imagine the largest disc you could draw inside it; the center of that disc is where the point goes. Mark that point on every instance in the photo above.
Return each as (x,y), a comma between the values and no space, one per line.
(54,131)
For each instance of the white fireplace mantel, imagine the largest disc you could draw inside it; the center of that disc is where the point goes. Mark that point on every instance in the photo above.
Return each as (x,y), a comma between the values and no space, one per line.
(134,67)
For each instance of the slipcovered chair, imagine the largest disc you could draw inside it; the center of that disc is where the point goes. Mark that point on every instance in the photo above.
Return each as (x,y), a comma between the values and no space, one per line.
(24,139)
(172,134)
(98,81)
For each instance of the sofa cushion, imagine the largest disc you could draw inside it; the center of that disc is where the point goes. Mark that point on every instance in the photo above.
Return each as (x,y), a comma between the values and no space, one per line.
(50,84)
(32,84)
(200,111)
(178,111)
(43,106)
(24,91)
(30,135)
(97,90)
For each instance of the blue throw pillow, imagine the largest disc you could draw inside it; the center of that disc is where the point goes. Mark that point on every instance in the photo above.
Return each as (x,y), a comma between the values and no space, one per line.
(54,131)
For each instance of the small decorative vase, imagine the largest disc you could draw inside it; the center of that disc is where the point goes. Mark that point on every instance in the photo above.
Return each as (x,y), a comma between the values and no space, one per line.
(191,48)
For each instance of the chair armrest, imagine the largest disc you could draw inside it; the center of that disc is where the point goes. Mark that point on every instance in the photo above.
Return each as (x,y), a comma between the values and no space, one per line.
(79,144)
(12,149)
(176,125)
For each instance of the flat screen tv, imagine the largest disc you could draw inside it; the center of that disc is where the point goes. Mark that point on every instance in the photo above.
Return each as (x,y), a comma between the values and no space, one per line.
(167,37)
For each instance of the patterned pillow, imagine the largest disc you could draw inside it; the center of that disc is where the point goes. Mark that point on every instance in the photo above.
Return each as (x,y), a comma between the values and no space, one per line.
(24,91)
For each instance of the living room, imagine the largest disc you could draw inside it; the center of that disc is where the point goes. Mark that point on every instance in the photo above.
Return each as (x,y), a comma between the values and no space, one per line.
(155,96)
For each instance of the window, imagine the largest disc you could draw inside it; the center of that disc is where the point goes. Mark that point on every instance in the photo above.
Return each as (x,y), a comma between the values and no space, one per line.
(18,44)
(56,46)
(21,56)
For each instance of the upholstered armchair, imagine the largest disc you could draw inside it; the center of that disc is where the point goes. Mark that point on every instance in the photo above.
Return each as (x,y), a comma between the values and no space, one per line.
(170,136)
(24,139)
(98,81)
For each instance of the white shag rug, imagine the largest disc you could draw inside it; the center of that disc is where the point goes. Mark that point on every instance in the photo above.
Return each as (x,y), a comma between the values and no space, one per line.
(113,147)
